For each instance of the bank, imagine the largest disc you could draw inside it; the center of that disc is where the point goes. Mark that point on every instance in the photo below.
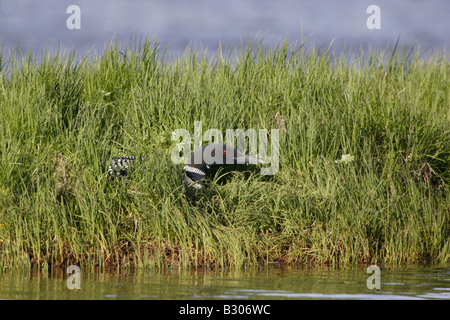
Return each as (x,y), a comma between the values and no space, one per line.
(364,157)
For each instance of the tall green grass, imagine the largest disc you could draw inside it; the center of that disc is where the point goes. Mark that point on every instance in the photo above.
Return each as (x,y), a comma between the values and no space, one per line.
(62,119)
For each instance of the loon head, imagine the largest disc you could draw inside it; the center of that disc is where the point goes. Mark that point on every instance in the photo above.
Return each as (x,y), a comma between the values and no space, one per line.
(213,154)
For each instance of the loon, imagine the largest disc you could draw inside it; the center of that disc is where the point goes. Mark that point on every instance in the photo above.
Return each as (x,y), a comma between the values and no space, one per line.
(199,162)
(214,154)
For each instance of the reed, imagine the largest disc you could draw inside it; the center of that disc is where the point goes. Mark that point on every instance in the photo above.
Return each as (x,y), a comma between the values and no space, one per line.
(63,117)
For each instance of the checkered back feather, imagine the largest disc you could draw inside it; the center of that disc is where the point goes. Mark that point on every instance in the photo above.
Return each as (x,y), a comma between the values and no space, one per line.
(120,166)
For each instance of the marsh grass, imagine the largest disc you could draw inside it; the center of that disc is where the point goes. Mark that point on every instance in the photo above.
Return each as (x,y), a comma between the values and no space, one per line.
(63,118)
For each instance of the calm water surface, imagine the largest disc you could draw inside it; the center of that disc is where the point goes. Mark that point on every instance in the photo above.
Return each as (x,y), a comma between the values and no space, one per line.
(264,283)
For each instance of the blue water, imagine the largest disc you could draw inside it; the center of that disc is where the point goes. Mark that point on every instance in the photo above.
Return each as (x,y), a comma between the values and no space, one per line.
(207,23)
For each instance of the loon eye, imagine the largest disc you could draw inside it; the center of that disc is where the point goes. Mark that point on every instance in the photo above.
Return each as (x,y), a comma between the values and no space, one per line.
(224,151)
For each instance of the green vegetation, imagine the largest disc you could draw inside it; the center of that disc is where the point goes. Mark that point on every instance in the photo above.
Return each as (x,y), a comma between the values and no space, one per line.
(62,119)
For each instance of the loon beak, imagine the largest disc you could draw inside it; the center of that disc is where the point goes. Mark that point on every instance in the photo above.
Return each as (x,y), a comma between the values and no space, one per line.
(249,159)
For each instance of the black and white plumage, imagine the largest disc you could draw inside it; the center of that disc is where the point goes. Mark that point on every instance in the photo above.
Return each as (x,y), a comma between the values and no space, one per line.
(199,162)
(214,154)
(120,166)
(192,175)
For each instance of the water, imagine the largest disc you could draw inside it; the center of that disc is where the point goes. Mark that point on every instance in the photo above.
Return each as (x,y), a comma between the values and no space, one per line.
(262,283)
(207,23)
